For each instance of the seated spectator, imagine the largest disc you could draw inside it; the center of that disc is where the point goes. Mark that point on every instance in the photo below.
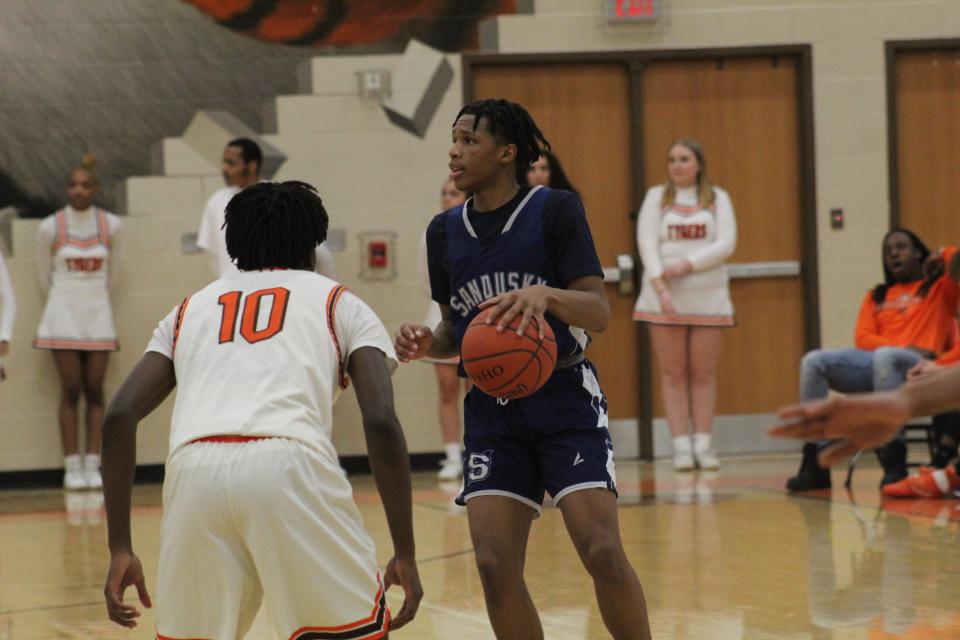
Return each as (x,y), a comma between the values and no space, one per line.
(905,320)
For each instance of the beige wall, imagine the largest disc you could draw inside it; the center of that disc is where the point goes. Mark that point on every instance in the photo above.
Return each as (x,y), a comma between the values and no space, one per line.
(375,177)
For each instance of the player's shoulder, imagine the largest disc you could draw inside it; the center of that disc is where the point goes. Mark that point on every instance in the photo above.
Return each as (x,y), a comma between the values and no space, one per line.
(438,223)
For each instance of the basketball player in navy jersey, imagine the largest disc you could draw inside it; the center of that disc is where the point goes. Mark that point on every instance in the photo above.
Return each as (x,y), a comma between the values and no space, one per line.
(527,251)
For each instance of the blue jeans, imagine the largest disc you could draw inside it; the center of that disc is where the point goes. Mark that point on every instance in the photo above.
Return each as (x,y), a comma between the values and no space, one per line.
(854,371)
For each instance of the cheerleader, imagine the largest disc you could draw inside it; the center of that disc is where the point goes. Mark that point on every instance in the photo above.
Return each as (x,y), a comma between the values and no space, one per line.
(76,266)
(448,382)
(8,309)
(685,232)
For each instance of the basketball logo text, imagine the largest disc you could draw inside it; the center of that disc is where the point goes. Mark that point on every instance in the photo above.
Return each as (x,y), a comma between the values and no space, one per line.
(470,295)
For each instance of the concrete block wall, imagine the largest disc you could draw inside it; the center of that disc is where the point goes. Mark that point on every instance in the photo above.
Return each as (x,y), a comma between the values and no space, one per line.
(376,177)
(372,177)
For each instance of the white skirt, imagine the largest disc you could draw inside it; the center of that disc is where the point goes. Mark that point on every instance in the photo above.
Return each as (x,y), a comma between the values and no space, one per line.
(700,299)
(80,321)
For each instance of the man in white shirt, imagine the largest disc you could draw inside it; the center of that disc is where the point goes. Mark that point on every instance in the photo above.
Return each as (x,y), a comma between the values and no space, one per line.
(242,159)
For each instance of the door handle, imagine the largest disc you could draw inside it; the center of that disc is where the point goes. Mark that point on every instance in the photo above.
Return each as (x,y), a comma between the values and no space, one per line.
(622,274)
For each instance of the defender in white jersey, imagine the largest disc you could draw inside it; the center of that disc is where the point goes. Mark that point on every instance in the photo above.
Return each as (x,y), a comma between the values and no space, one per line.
(256,505)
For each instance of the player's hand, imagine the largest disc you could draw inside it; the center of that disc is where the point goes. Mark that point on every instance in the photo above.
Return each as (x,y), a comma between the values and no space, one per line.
(403,572)
(856,422)
(666,302)
(678,269)
(412,341)
(125,570)
(923,369)
(529,302)
(4,348)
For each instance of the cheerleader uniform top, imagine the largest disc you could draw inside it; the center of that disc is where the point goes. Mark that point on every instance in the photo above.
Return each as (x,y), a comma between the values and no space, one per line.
(706,236)
(75,258)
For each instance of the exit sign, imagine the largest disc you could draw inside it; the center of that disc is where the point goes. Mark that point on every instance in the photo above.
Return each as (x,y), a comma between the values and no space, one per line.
(632,10)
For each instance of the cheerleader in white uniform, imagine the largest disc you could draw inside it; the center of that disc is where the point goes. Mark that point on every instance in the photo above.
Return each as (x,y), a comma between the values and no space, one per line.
(448,382)
(8,309)
(685,232)
(76,258)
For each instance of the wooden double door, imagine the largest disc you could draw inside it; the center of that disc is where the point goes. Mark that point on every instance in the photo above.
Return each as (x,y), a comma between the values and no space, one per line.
(611,123)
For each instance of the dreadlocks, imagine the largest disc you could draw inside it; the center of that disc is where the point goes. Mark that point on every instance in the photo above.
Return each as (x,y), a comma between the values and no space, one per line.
(510,124)
(275,224)
(880,291)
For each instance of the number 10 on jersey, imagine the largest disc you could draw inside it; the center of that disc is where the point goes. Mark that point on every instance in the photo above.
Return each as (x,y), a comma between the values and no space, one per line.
(230,301)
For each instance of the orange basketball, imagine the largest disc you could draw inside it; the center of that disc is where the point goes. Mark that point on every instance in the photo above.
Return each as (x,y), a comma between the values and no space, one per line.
(503,364)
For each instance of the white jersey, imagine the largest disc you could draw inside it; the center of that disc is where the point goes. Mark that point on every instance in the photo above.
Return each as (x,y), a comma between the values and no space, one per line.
(263,354)
(705,236)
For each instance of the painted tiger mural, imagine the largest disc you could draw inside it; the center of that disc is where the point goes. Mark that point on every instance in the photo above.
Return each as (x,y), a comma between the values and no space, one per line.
(449,25)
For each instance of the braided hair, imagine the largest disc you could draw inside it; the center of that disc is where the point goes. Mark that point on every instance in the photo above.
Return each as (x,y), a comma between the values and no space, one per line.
(275,224)
(880,291)
(509,123)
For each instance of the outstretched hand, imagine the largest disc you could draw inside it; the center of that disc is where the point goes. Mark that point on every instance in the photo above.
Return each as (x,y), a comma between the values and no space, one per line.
(412,341)
(403,572)
(528,302)
(125,570)
(856,422)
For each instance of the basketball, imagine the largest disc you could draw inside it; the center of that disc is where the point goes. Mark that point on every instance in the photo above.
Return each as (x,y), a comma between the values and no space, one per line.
(504,364)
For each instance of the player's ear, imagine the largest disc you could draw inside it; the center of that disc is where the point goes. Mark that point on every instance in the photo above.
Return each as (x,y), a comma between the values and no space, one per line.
(508,153)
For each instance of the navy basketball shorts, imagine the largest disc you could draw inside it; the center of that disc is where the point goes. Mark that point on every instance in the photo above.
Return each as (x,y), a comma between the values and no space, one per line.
(554,441)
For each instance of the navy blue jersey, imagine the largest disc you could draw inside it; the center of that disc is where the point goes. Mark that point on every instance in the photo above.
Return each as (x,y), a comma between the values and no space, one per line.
(539,237)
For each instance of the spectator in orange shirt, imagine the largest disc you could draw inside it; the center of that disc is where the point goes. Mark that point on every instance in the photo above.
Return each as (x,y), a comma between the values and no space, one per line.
(905,320)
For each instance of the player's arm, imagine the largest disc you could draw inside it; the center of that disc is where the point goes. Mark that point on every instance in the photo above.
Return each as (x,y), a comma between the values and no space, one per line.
(413,341)
(868,420)
(582,301)
(145,388)
(390,463)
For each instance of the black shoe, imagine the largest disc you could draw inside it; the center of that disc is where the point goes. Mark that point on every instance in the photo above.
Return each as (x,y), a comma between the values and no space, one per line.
(811,476)
(893,459)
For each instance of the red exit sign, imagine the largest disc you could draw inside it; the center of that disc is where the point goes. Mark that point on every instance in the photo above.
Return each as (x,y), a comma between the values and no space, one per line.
(633,10)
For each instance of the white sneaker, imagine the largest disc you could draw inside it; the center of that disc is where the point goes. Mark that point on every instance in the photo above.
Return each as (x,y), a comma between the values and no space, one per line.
(450,470)
(708,460)
(73,478)
(93,479)
(91,471)
(703,449)
(683,461)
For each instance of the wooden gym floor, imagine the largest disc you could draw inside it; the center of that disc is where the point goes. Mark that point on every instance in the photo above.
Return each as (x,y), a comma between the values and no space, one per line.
(721,556)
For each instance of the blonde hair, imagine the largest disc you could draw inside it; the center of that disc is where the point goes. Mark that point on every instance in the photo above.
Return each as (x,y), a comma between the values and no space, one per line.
(87,162)
(705,194)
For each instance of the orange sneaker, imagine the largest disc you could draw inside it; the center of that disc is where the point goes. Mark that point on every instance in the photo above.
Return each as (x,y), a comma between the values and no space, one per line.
(928,483)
